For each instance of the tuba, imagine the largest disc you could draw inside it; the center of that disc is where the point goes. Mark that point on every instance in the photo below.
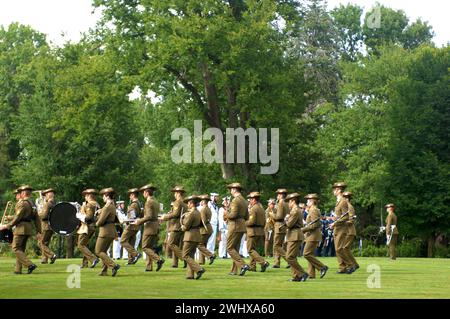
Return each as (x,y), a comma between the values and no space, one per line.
(6,235)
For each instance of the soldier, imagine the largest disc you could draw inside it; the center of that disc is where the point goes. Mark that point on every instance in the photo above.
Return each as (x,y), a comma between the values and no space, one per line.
(236,217)
(87,229)
(47,232)
(107,231)
(294,237)
(351,230)
(174,229)
(269,228)
(312,233)
(206,230)
(25,212)
(129,234)
(190,223)
(339,227)
(151,227)
(391,230)
(255,231)
(280,227)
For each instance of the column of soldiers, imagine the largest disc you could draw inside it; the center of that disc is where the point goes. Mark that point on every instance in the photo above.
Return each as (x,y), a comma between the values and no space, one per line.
(190,229)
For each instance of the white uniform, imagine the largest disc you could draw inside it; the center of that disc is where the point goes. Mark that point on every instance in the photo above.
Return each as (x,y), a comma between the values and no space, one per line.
(211,245)
(243,249)
(223,235)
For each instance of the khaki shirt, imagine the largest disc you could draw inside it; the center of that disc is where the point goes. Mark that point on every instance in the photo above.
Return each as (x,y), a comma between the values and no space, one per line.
(105,221)
(256,221)
(43,214)
(313,231)
(134,209)
(150,219)
(340,226)
(191,224)
(178,208)
(24,214)
(351,229)
(294,224)
(206,228)
(269,221)
(391,219)
(281,212)
(237,215)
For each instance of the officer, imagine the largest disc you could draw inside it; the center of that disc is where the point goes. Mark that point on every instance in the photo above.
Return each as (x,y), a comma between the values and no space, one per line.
(391,230)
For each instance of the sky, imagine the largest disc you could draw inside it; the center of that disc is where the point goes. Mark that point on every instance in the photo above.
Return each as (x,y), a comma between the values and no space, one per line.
(72,17)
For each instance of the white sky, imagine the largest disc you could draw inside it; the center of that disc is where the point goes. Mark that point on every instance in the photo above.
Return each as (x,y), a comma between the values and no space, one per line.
(72,17)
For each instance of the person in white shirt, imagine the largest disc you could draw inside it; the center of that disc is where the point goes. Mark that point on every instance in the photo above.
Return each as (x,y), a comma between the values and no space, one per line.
(212,204)
(223,230)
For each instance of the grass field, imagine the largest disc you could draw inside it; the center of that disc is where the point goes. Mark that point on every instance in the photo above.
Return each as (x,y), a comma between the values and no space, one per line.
(403,278)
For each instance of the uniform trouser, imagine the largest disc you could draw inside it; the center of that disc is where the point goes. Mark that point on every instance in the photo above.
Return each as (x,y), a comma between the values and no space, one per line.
(211,244)
(202,247)
(83,242)
(101,247)
(278,250)
(392,247)
(348,248)
(292,248)
(19,246)
(268,243)
(223,244)
(233,243)
(148,242)
(189,248)
(252,245)
(341,254)
(313,262)
(128,241)
(44,243)
(174,244)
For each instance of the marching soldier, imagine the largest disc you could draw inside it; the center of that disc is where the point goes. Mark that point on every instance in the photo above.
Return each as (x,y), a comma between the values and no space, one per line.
(151,227)
(46,230)
(191,222)
(391,230)
(105,221)
(24,214)
(312,233)
(255,231)
(269,228)
(174,229)
(294,237)
(280,227)
(206,230)
(339,227)
(87,229)
(236,218)
(129,234)
(351,230)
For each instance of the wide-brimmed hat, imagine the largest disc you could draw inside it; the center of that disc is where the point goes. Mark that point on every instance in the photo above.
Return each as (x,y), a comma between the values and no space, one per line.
(204,197)
(254,195)
(195,198)
(146,187)
(108,190)
(178,189)
(48,190)
(389,205)
(292,196)
(133,191)
(25,188)
(235,185)
(312,196)
(89,191)
(339,185)
(347,194)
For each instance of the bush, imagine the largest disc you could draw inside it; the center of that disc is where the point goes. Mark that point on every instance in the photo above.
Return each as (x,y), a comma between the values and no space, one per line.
(411,248)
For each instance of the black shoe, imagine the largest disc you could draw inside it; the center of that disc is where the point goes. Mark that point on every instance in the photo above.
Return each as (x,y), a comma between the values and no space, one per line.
(304,277)
(95,262)
(159,264)
(185,264)
(189,277)
(115,269)
(264,266)
(52,260)
(136,258)
(295,279)
(174,266)
(323,271)
(200,273)
(341,273)
(244,269)
(31,268)
(148,270)
(276,266)
(288,266)
(350,270)
(17,272)
(356,267)
(252,269)
(211,259)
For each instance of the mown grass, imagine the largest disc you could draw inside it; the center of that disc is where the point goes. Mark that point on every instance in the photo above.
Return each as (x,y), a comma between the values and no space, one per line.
(403,278)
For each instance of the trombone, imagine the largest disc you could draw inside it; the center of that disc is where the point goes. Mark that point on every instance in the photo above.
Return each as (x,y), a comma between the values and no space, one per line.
(9,209)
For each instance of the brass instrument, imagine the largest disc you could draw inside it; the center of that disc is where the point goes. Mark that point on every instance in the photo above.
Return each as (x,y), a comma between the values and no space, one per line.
(6,235)
(39,202)
(7,212)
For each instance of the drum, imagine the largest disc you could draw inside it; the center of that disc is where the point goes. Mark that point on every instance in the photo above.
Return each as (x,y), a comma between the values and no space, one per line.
(62,218)
(6,236)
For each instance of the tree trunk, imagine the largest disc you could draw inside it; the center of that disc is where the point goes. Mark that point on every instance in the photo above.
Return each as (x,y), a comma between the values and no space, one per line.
(430,246)
(227,171)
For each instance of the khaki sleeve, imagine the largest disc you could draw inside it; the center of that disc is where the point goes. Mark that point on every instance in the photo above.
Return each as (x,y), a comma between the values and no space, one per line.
(19,212)
(37,223)
(251,217)
(102,217)
(388,225)
(279,214)
(89,210)
(234,210)
(43,214)
(315,213)
(293,219)
(176,211)
(187,221)
(148,212)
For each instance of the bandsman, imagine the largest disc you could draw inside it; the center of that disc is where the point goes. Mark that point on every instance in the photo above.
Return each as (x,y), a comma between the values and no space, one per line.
(191,222)
(128,240)
(236,218)
(313,235)
(255,231)
(294,237)
(280,226)
(206,230)
(87,228)
(351,230)
(47,232)
(391,230)
(151,227)
(269,228)
(25,213)
(107,231)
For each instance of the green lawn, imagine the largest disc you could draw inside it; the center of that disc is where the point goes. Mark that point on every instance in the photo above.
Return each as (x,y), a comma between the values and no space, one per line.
(403,278)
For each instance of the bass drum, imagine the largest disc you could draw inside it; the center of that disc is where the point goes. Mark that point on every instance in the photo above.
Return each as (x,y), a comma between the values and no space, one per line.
(6,236)
(63,220)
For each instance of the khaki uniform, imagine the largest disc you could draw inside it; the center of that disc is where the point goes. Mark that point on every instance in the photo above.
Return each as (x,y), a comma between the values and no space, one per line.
(269,234)
(351,234)
(391,219)
(174,230)
(294,238)
(191,224)
(128,238)
(312,235)
(107,233)
(205,231)
(255,234)
(87,230)
(24,214)
(47,232)
(340,234)
(151,230)
(236,229)
(280,232)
